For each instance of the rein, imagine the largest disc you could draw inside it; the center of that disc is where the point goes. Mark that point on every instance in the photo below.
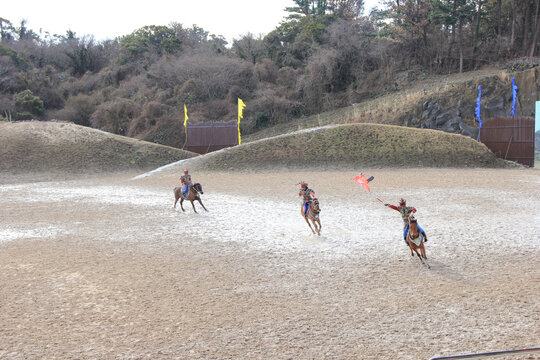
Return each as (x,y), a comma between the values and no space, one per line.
(195,189)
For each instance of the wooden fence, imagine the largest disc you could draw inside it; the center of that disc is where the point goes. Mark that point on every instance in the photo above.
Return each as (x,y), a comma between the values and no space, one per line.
(510,138)
(211,136)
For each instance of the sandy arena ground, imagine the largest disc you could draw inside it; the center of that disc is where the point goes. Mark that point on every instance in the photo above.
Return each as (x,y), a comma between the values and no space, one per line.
(105,268)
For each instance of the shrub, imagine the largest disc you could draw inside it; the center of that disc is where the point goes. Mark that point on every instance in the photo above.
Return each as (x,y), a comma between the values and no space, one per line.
(24,116)
(51,98)
(78,109)
(27,103)
(115,115)
(273,109)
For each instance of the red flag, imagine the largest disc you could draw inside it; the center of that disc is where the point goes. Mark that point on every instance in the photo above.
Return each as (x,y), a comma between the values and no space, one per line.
(362,181)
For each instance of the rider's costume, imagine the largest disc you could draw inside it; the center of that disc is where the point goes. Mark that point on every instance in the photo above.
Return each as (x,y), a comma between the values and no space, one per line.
(405,212)
(186,182)
(306,193)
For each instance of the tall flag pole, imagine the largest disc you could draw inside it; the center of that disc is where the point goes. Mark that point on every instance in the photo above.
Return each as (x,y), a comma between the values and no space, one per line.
(477,111)
(514,97)
(185,121)
(241,107)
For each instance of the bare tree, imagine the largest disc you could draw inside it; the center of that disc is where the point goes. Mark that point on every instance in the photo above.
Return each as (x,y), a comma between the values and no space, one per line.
(249,48)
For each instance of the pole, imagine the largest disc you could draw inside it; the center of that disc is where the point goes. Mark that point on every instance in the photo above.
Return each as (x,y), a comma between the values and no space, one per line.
(508,148)
(487,354)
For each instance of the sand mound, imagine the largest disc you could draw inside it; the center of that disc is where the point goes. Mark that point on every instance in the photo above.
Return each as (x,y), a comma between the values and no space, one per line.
(44,147)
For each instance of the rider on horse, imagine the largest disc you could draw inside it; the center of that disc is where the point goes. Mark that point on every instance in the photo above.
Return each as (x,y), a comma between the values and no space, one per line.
(186,182)
(405,213)
(306,193)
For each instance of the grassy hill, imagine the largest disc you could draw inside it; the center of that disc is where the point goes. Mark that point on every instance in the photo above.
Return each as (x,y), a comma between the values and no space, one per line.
(353,146)
(48,147)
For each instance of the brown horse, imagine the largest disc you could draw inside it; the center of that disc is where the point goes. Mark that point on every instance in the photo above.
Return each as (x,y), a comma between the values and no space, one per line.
(193,194)
(416,241)
(313,215)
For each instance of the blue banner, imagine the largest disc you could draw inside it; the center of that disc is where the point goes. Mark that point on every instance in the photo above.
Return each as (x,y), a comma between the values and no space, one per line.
(514,97)
(477,111)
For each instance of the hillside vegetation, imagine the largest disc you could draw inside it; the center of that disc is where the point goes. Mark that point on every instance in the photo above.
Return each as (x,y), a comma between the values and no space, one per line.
(324,56)
(444,103)
(45,147)
(353,146)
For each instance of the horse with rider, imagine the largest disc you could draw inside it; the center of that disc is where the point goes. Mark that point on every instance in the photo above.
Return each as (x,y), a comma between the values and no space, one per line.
(406,212)
(310,207)
(188,191)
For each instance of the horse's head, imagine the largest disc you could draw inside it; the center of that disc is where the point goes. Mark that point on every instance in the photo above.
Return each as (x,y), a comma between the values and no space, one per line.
(413,226)
(198,188)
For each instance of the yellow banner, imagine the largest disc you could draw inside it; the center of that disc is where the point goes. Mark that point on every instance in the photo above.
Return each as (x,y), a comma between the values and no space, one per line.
(185,116)
(241,107)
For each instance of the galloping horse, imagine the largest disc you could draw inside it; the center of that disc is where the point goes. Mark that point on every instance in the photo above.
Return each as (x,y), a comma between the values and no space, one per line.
(192,195)
(416,240)
(313,215)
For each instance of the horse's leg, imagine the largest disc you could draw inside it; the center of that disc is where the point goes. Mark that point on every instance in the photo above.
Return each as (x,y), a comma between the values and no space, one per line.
(307,221)
(418,254)
(200,202)
(315,226)
(181,204)
(192,204)
(320,226)
(409,242)
(423,250)
(176,197)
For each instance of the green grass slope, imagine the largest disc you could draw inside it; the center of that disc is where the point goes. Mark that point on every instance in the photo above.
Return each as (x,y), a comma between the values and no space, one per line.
(44,147)
(354,146)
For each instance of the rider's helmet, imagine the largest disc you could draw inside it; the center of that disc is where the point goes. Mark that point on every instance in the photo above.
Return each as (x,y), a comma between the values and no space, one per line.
(304,185)
(402,202)
(186,171)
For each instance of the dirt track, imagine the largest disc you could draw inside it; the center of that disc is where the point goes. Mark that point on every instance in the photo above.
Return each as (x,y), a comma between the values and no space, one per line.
(107,269)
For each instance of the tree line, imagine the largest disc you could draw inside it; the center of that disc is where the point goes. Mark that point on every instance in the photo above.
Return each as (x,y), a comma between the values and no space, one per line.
(325,54)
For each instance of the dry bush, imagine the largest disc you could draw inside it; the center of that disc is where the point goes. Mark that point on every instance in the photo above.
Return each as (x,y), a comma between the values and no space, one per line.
(275,108)
(134,88)
(52,99)
(152,113)
(209,76)
(219,110)
(115,116)
(237,92)
(84,85)
(167,131)
(8,76)
(78,109)
(318,80)
(287,77)
(266,71)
